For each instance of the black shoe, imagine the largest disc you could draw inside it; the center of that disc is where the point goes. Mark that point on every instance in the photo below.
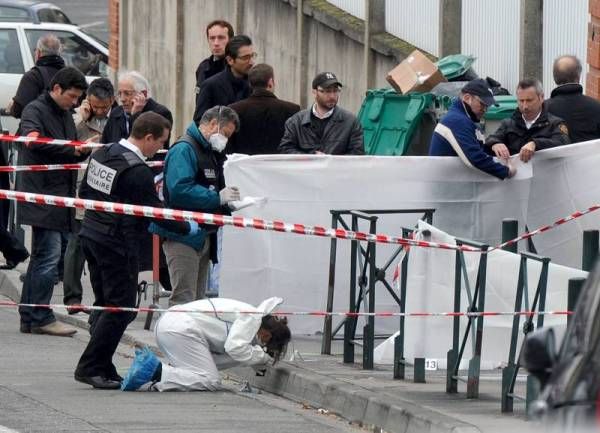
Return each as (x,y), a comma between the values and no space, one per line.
(25,328)
(99,382)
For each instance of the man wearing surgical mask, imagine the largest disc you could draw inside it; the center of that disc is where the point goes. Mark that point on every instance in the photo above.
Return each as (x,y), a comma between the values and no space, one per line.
(193,180)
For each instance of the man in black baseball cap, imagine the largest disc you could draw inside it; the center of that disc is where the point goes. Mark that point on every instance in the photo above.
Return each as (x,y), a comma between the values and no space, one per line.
(325,127)
(479,92)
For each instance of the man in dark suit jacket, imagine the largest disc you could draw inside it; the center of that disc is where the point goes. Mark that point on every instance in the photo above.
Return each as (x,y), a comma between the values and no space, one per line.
(567,101)
(231,85)
(262,115)
(134,95)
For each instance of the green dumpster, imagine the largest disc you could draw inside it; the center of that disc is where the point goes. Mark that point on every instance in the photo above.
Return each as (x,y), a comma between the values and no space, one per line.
(495,115)
(391,121)
(457,67)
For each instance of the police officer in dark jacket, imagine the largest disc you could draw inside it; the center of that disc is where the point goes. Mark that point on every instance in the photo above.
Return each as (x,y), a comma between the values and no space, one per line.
(118,173)
(581,112)
(48,116)
(231,85)
(218,34)
(35,81)
(530,128)
(262,115)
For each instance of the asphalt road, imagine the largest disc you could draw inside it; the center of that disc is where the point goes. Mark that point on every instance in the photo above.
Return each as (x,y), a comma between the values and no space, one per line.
(91,15)
(38,394)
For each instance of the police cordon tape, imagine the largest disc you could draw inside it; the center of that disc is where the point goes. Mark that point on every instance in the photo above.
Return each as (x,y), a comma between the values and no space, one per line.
(53,167)
(46,140)
(221,220)
(289,313)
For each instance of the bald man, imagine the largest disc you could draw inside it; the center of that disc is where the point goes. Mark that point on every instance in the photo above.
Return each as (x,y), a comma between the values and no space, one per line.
(568,102)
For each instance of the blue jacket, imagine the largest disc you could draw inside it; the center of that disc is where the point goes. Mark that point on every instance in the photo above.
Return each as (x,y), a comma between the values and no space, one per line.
(184,191)
(457,135)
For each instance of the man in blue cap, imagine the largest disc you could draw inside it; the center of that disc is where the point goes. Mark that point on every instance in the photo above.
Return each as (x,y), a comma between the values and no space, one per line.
(457,133)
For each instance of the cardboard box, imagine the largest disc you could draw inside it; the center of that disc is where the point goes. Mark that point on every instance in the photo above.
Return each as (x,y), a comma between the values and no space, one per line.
(416,73)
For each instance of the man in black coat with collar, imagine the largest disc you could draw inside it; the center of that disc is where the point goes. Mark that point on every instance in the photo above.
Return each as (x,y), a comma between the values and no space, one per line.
(231,85)
(48,116)
(35,81)
(262,115)
(218,34)
(531,127)
(134,94)
(581,112)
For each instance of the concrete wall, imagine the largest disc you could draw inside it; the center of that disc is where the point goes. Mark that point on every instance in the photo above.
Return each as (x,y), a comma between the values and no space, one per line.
(165,40)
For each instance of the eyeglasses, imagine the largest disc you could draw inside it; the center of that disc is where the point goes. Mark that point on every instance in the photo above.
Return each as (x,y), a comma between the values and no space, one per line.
(248,57)
(127,93)
(483,104)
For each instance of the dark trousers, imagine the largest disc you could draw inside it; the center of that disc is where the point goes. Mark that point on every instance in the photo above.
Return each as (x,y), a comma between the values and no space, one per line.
(74,263)
(41,276)
(114,281)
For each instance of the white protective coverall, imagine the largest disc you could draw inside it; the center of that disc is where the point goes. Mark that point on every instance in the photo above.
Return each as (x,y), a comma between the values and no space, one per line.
(197,345)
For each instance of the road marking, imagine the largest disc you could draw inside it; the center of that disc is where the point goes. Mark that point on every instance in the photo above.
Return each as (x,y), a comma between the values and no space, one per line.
(7,430)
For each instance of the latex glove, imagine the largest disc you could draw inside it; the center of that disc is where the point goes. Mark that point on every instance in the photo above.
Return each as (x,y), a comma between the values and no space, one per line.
(229,194)
(193,227)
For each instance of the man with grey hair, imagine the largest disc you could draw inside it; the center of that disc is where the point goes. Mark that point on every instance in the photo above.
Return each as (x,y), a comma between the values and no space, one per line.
(33,83)
(530,128)
(135,97)
(193,180)
(581,112)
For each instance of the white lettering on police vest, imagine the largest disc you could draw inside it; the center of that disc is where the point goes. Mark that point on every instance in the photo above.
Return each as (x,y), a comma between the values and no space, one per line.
(100,177)
(209,173)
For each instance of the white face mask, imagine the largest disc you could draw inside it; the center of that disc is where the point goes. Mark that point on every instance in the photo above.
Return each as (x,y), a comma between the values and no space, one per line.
(218,142)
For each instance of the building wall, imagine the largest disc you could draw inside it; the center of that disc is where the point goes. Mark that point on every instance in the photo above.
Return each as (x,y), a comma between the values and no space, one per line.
(168,52)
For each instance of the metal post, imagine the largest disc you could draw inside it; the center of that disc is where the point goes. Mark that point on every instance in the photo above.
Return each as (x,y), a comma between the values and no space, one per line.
(326,342)
(533,390)
(531,40)
(399,364)
(475,362)
(374,24)
(450,27)
(574,290)
(510,230)
(369,346)
(419,376)
(590,249)
(349,323)
(301,55)
(451,382)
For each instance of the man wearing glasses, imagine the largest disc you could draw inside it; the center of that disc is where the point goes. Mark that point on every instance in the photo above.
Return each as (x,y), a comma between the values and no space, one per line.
(230,85)
(457,133)
(324,128)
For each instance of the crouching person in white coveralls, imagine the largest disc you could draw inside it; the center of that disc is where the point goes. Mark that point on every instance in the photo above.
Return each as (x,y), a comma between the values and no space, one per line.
(212,335)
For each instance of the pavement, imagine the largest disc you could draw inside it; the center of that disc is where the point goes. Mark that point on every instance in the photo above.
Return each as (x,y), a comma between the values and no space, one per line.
(370,398)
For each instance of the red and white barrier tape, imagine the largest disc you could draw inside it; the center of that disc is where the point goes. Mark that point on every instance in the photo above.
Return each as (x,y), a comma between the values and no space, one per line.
(545,228)
(291,313)
(221,220)
(45,140)
(52,167)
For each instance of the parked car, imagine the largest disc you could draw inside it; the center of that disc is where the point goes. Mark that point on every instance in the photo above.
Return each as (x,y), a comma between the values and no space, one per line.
(25,11)
(18,42)
(569,400)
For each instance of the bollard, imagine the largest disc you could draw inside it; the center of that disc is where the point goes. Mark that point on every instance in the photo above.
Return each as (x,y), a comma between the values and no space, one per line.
(419,376)
(575,286)
(368,347)
(510,230)
(399,365)
(533,390)
(590,249)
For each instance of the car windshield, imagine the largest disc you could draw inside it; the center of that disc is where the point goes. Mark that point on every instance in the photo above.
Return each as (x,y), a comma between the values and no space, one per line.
(51,15)
(10,14)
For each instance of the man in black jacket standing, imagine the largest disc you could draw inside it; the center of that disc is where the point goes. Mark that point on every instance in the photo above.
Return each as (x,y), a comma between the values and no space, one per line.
(35,81)
(118,173)
(581,112)
(48,116)
(531,127)
(218,34)
(133,92)
(325,127)
(262,115)
(230,85)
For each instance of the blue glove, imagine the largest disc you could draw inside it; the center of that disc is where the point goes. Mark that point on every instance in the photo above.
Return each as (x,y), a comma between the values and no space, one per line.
(194,227)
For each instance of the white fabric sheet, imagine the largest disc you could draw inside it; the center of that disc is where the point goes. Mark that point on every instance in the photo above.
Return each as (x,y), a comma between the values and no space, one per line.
(468,203)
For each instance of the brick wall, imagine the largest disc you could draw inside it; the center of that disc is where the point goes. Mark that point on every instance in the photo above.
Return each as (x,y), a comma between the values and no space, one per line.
(593,51)
(113,39)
